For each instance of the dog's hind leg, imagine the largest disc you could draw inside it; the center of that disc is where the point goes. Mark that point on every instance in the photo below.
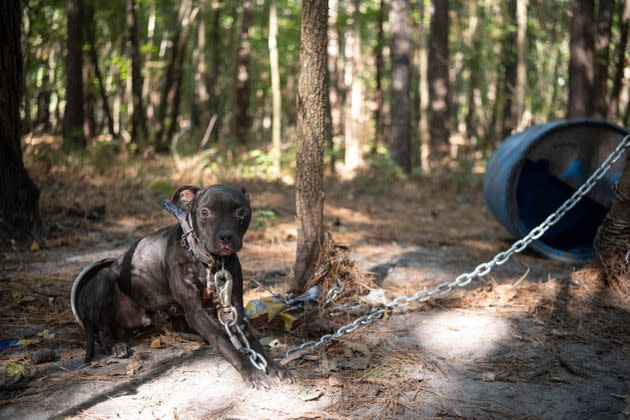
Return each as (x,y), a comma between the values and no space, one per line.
(89,346)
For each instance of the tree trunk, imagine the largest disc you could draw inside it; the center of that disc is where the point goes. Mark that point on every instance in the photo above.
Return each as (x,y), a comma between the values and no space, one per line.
(334,50)
(352,139)
(378,53)
(620,60)
(423,85)
(73,136)
(400,26)
(602,57)
(89,32)
(146,85)
(474,131)
(20,222)
(438,78)
(521,60)
(89,99)
(167,107)
(508,59)
(581,60)
(214,88)
(613,238)
(275,86)
(312,138)
(138,118)
(242,118)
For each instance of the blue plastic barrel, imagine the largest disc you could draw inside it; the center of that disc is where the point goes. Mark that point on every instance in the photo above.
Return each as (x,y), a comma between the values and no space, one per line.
(535,171)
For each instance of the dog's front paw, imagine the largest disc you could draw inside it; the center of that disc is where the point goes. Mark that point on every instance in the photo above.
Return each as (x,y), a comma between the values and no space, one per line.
(281,374)
(257,379)
(120,350)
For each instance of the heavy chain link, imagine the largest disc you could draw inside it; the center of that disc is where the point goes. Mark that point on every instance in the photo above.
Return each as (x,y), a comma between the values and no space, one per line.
(481,270)
(228,315)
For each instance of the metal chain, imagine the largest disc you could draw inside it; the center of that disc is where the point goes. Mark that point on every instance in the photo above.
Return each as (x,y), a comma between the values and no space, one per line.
(481,270)
(228,315)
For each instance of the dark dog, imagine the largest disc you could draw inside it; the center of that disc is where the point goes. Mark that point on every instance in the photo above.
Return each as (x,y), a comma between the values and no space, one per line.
(160,273)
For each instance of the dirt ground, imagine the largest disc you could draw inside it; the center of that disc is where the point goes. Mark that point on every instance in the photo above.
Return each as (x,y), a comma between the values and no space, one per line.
(533,339)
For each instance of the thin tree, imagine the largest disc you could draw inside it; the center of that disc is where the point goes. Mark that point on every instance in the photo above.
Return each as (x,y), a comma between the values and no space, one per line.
(168,110)
(73,136)
(620,60)
(400,26)
(20,222)
(423,85)
(581,60)
(274,63)
(352,126)
(138,119)
(508,62)
(521,59)
(438,77)
(89,34)
(242,118)
(602,57)
(378,53)
(334,56)
(312,136)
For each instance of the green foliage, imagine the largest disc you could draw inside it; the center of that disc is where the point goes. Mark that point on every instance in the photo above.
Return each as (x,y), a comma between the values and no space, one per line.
(262,218)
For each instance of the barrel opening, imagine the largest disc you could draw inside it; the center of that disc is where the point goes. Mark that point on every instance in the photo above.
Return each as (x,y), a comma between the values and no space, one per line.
(539,193)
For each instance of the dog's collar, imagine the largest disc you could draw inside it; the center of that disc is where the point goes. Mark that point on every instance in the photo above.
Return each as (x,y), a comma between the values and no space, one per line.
(189,238)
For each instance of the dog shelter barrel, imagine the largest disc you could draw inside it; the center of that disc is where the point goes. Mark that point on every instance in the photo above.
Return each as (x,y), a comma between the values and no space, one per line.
(535,171)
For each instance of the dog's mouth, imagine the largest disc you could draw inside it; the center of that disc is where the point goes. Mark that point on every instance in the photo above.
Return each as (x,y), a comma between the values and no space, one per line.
(224,250)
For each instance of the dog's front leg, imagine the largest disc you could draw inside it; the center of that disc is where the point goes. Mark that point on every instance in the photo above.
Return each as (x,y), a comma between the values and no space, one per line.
(210,329)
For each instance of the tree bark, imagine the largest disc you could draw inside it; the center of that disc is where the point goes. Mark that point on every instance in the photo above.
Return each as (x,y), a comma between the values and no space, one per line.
(73,136)
(242,117)
(334,50)
(89,33)
(508,59)
(400,26)
(602,57)
(423,86)
(521,60)
(613,237)
(581,60)
(170,89)
(378,53)
(312,138)
(438,77)
(20,222)
(275,86)
(620,54)
(353,156)
(138,118)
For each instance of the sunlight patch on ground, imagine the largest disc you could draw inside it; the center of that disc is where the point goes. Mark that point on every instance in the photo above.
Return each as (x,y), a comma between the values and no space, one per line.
(457,333)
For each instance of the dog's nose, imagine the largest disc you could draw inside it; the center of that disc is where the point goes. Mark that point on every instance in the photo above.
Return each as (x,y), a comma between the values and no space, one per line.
(225,238)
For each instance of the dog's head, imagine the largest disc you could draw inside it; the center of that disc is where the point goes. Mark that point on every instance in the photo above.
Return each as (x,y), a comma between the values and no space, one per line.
(220,215)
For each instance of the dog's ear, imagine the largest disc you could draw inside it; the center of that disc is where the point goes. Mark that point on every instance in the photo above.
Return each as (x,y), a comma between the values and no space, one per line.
(244,191)
(184,195)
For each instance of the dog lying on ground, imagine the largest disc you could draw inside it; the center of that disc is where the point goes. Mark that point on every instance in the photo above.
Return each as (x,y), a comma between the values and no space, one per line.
(171,271)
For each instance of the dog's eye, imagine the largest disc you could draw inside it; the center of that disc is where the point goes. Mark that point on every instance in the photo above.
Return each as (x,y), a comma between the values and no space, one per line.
(240,213)
(204,212)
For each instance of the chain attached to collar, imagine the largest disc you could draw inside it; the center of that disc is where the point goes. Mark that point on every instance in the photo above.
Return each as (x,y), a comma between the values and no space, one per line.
(221,286)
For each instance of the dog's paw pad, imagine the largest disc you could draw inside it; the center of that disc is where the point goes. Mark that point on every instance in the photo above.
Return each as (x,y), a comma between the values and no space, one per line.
(121,351)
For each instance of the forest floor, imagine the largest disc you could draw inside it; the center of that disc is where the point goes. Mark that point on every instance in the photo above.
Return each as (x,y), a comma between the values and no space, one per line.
(534,339)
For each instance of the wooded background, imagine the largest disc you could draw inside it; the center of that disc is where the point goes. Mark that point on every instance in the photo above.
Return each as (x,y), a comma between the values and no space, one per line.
(414,80)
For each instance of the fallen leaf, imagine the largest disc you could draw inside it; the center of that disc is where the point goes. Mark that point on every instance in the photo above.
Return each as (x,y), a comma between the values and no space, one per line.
(34,246)
(133,367)
(156,344)
(355,363)
(18,369)
(311,395)
(334,381)
(46,334)
(488,376)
